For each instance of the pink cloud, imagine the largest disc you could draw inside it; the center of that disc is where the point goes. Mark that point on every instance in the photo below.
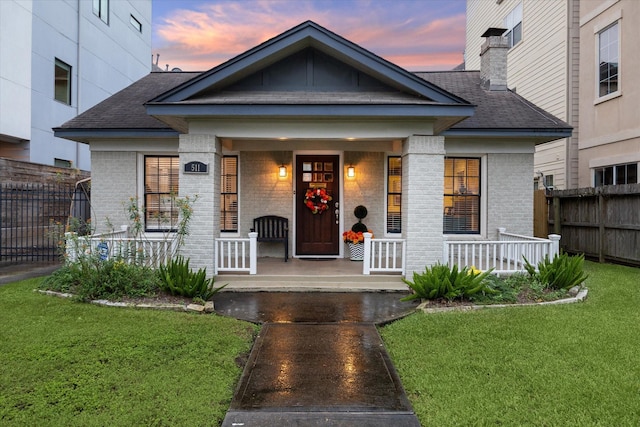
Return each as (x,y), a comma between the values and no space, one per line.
(197,40)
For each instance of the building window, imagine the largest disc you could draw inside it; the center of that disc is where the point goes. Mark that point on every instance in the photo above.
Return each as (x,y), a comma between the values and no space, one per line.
(616,175)
(135,23)
(62,163)
(229,194)
(62,82)
(101,10)
(394,194)
(461,195)
(608,49)
(513,23)
(161,175)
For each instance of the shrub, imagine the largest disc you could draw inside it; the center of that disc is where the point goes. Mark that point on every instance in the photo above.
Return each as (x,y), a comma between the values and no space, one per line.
(93,278)
(177,278)
(563,273)
(440,281)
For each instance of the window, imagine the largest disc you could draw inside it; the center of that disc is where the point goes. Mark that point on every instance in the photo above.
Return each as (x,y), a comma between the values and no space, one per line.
(608,60)
(62,82)
(229,194)
(394,194)
(101,10)
(161,174)
(62,163)
(616,175)
(548,181)
(461,195)
(135,23)
(513,23)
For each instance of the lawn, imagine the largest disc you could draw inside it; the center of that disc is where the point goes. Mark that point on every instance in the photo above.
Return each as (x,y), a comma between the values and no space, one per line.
(570,365)
(69,363)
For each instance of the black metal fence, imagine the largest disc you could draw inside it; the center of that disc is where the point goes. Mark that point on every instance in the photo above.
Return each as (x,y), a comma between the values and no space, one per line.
(34,217)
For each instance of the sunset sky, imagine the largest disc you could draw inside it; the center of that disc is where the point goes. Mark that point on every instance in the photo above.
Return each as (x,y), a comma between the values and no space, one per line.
(418,35)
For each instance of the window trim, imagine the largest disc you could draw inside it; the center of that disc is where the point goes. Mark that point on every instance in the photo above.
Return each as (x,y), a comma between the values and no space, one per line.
(482,191)
(388,233)
(598,33)
(143,192)
(614,173)
(59,64)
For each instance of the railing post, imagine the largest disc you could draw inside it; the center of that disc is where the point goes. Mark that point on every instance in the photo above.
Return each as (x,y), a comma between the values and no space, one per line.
(366,264)
(501,230)
(555,245)
(253,253)
(125,230)
(70,246)
(445,251)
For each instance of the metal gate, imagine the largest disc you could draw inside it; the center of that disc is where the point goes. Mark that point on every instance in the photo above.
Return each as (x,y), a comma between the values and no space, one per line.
(33,219)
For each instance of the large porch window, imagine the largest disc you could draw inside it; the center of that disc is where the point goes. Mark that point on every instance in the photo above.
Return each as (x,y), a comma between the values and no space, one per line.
(394,194)
(161,175)
(461,195)
(229,194)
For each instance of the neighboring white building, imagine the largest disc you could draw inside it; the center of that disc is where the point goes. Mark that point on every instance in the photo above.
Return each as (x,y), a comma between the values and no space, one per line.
(59,58)
(543,67)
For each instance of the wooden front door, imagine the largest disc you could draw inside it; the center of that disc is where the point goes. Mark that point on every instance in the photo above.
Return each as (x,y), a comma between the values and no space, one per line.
(317,234)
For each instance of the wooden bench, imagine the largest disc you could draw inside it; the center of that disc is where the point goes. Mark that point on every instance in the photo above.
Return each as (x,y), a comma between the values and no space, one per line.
(271,228)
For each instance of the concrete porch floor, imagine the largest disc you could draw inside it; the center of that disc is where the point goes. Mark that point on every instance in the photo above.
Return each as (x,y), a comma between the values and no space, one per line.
(318,274)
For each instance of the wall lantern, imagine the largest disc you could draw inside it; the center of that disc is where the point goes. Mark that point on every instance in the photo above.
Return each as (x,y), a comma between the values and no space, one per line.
(351,172)
(282,171)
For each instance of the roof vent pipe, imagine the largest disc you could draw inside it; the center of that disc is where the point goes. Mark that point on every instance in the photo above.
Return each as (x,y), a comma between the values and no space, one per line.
(493,60)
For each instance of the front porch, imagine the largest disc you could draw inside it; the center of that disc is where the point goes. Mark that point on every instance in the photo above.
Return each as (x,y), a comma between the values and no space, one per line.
(305,274)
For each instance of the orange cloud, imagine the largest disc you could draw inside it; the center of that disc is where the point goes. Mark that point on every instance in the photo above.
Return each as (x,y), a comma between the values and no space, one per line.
(197,40)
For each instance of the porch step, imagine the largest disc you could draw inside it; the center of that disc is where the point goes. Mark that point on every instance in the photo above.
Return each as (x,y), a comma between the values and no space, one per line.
(301,283)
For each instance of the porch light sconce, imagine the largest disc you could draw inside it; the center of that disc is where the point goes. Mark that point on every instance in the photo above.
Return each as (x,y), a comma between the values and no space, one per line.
(282,171)
(351,172)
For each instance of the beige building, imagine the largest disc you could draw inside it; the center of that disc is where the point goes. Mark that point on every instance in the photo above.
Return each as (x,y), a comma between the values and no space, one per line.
(543,62)
(609,92)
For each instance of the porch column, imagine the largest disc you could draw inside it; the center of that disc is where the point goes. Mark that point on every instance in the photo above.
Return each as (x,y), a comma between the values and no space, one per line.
(422,200)
(205,220)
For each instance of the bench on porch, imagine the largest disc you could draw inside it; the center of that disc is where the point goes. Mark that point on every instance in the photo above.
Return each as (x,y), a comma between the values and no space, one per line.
(272,228)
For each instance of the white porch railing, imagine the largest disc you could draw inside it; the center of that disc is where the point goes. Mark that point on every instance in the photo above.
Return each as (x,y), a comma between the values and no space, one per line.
(383,255)
(147,250)
(505,256)
(237,254)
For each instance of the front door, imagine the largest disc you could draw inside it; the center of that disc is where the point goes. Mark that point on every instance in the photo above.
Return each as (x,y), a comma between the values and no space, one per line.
(317,205)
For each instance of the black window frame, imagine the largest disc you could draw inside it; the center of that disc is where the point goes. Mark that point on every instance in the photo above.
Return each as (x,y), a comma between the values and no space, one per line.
(229,195)
(394,196)
(463,203)
(62,81)
(154,220)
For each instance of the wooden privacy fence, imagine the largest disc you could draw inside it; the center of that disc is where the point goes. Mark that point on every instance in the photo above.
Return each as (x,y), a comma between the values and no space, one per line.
(601,222)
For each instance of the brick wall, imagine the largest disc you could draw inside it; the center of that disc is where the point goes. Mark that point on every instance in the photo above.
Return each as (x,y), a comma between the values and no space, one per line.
(422,184)
(263,192)
(367,189)
(114,177)
(510,194)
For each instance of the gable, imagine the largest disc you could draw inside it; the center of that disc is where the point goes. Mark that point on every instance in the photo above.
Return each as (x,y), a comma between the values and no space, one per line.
(310,70)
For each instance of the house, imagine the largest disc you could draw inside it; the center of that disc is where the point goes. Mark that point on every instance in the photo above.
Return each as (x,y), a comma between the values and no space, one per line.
(543,67)
(609,92)
(433,155)
(570,57)
(58,58)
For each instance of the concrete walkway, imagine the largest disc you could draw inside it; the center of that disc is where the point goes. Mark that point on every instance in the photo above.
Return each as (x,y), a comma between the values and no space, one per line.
(318,361)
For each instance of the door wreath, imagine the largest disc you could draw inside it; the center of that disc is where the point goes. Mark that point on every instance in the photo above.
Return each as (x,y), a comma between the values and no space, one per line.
(317,200)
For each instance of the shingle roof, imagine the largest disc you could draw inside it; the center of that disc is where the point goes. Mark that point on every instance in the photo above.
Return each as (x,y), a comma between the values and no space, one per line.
(125,109)
(495,109)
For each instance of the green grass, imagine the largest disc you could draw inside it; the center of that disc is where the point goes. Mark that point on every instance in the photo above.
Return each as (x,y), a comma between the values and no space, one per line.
(75,364)
(571,365)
